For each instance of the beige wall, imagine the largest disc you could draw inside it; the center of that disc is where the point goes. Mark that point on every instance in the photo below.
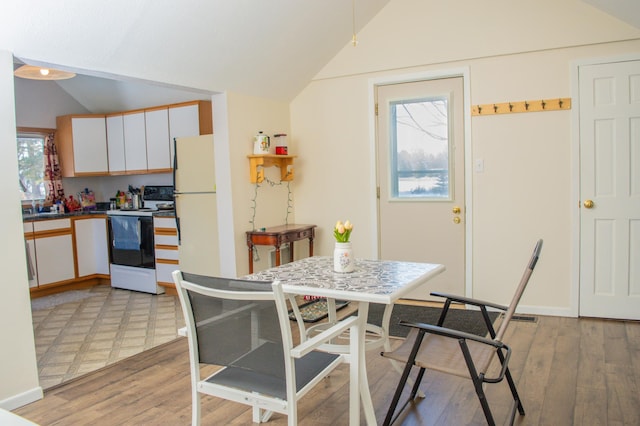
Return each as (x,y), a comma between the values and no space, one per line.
(526,189)
(18,367)
(246,116)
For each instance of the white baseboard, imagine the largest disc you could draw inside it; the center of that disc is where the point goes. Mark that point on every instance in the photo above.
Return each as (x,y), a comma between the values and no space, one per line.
(22,399)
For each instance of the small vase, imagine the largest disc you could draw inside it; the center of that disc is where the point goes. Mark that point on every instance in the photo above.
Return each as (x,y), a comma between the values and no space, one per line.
(343,260)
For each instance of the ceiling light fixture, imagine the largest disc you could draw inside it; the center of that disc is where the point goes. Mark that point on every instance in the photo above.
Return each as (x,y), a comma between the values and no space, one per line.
(40,73)
(354,40)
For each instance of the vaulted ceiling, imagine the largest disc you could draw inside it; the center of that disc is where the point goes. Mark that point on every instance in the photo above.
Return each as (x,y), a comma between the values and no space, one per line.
(268,48)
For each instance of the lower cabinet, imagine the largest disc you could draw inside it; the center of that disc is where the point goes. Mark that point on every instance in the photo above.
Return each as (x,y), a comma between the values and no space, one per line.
(166,249)
(92,247)
(66,251)
(53,250)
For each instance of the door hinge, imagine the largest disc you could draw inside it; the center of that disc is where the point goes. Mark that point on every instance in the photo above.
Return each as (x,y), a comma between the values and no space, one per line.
(378,192)
(376,109)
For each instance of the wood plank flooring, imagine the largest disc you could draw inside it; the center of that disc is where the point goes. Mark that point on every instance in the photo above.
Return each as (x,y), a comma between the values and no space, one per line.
(569,372)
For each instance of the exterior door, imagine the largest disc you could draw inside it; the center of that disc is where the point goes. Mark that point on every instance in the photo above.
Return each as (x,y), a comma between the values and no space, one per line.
(420,154)
(610,190)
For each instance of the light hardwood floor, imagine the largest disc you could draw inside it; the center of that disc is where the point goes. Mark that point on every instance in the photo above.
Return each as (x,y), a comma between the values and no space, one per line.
(569,372)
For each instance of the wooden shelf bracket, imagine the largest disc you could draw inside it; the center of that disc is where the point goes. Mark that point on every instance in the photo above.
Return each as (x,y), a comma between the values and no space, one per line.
(258,162)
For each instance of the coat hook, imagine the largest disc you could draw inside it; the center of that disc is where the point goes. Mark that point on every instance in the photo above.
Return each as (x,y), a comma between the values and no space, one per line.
(495,108)
(526,105)
(479,109)
(560,103)
(510,107)
(543,103)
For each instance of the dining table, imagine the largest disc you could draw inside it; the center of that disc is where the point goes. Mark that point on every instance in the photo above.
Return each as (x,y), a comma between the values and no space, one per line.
(372,281)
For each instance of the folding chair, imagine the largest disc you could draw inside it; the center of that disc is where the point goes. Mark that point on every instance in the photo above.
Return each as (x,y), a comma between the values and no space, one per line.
(433,347)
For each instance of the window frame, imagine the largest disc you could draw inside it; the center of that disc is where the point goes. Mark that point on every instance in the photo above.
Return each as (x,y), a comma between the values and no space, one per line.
(38,132)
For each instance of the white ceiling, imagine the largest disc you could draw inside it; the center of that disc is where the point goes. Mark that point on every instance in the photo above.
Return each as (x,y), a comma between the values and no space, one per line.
(268,48)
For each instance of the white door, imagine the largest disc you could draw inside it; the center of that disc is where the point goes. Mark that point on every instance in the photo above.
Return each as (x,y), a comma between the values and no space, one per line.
(610,190)
(420,156)
(195,171)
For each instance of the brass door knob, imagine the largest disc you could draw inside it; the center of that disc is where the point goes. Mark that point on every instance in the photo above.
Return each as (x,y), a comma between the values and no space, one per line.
(588,204)
(456,210)
(456,220)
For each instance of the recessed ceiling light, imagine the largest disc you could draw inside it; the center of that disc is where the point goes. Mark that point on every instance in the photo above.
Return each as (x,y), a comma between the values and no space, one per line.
(40,73)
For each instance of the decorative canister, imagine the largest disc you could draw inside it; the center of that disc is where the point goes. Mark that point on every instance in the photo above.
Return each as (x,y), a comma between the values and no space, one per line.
(343,260)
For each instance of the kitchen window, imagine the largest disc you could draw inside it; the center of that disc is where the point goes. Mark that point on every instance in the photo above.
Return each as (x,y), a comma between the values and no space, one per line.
(31,166)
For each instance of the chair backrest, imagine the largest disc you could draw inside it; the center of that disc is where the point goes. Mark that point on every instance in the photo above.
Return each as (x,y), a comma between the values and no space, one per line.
(231,319)
(521,287)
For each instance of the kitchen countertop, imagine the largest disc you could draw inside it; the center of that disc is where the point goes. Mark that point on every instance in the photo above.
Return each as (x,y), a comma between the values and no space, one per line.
(47,216)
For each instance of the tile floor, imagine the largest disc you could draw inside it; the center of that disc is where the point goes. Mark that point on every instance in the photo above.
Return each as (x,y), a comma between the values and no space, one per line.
(81,331)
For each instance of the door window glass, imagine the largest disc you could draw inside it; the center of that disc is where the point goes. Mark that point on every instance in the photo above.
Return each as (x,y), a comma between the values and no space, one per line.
(420,149)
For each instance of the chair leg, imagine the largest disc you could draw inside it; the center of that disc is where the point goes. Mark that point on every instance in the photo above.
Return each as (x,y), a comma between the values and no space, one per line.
(396,396)
(477,382)
(514,392)
(195,408)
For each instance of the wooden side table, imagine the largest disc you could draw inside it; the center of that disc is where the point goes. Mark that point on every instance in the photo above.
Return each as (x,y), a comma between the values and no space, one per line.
(278,235)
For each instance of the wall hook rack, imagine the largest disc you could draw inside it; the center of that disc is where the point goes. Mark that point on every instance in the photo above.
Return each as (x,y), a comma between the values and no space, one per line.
(522,106)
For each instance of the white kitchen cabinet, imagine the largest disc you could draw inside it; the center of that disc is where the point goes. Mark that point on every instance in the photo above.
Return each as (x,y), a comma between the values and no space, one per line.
(92,247)
(115,143)
(189,119)
(135,141)
(54,251)
(158,142)
(82,145)
(166,249)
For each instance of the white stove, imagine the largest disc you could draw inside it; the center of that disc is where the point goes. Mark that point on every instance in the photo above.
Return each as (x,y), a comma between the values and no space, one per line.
(139,212)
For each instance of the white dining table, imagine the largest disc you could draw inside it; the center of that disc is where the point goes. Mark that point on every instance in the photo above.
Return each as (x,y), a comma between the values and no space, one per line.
(372,281)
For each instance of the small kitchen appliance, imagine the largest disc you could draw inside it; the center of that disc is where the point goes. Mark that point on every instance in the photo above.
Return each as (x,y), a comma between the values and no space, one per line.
(281,144)
(261,144)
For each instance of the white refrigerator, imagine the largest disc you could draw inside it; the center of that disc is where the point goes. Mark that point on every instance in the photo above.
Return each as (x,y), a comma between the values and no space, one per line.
(195,201)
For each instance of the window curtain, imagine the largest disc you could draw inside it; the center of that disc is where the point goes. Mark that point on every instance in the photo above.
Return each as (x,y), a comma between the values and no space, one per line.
(52,173)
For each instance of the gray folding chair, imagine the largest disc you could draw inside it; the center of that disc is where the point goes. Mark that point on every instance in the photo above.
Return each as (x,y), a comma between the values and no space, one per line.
(433,347)
(244,327)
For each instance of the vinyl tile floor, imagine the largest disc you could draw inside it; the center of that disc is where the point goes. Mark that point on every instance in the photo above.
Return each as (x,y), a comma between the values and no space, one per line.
(80,331)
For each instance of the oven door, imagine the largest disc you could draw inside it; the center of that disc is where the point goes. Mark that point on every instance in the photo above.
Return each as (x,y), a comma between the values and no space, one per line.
(131,241)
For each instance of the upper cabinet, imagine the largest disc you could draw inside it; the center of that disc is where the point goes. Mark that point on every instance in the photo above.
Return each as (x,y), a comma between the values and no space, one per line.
(115,144)
(189,119)
(135,142)
(82,145)
(131,142)
(158,142)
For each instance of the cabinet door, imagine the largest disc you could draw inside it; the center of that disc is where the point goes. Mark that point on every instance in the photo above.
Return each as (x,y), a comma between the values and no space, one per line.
(91,246)
(115,143)
(158,146)
(54,257)
(183,121)
(89,144)
(135,144)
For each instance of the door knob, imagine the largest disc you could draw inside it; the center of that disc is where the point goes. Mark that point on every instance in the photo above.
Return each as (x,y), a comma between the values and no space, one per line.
(456,210)
(588,204)
(456,220)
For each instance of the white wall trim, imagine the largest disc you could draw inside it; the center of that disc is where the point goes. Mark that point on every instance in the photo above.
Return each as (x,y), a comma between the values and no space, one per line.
(463,72)
(22,399)
(574,292)
(226,227)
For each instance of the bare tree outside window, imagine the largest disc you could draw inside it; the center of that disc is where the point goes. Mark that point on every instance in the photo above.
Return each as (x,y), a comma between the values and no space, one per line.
(420,156)
(31,167)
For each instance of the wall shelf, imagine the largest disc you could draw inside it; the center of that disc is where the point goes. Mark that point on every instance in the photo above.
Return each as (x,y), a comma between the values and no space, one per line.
(258,162)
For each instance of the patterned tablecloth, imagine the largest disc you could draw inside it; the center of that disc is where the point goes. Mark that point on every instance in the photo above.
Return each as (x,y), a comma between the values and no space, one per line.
(377,281)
